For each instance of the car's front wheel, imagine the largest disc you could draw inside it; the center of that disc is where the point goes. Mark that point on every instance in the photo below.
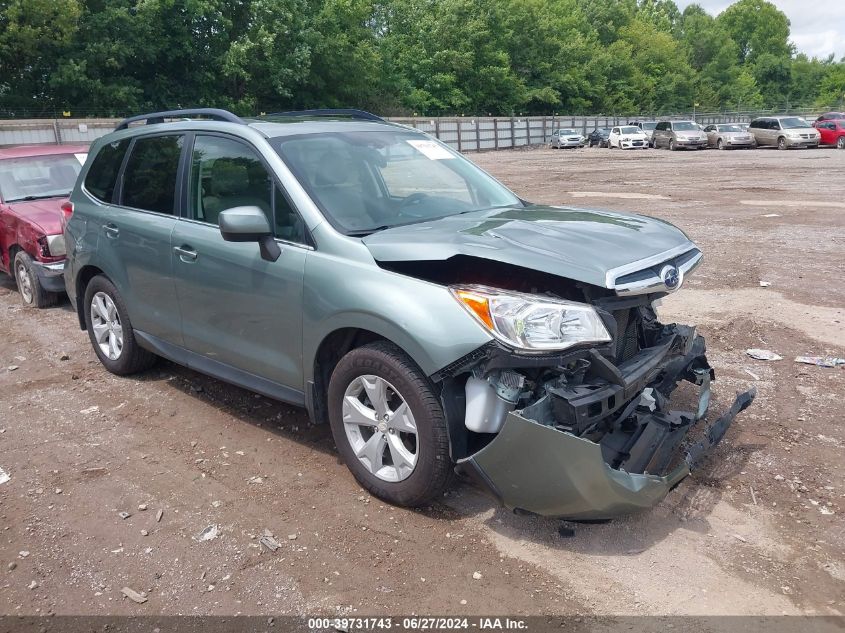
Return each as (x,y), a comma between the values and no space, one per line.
(840,142)
(388,425)
(110,330)
(782,143)
(32,292)
(672,146)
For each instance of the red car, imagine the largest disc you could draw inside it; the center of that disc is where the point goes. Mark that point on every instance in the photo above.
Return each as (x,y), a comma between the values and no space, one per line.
(34,183)
(831,116)
(832,132)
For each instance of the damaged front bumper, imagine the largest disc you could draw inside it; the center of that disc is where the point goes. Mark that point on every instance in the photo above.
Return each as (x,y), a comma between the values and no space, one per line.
(609,446)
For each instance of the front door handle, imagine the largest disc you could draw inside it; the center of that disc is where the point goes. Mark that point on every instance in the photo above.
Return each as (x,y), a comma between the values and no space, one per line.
(111,230)
(186,253)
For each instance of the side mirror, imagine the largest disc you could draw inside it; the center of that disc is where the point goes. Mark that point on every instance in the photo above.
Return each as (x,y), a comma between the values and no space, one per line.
(249,224)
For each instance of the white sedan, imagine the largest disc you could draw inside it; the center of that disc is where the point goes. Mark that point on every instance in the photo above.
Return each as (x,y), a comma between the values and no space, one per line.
(628,137)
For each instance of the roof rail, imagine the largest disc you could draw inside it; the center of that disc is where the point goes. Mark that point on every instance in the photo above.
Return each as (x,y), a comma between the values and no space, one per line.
(158,117)
(328,112)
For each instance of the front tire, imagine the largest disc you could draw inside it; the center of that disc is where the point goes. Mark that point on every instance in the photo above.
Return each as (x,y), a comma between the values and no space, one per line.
(782,143)
(32,292)
(840,142)
(720,144)
(388,425)
(672,146)
(110,330)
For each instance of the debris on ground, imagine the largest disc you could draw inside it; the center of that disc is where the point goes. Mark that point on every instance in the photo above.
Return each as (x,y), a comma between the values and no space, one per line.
(565,531)
(33,584)
(133,595)
(64,357)
(209,533)
(23,554)
(763,354)
(142,507)
(90,410)
(269,542)
(751,373)
(291,537)
(476,575)
(12,566)
(765,284)
(159,514)
(124,515)
(4,476)
(12,367)
(821,361)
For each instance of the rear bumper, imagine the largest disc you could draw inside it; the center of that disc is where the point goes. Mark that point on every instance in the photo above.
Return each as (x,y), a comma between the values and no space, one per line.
(50,276)
(535,465)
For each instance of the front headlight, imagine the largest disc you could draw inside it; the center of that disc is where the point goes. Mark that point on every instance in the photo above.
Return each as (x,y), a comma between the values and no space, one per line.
(532,322)
(56,245)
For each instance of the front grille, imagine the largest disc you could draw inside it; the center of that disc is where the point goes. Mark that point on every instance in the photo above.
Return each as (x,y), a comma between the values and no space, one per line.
(627,342)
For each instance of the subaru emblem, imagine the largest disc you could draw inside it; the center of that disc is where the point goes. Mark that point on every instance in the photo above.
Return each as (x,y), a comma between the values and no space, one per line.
(671,277)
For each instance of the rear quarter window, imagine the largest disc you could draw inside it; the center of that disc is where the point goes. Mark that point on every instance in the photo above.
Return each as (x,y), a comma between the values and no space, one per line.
(102,176)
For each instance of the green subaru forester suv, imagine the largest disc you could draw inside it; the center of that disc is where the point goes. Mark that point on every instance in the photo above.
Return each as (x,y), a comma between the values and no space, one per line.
(367,272)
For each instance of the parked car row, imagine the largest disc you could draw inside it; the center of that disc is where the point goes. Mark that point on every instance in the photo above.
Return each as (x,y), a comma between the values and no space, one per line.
(783,132)
(372,275)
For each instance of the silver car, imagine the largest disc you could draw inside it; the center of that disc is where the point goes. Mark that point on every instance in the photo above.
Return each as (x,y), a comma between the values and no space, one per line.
(784,132)
(675,135)
(567,137)
(728,135)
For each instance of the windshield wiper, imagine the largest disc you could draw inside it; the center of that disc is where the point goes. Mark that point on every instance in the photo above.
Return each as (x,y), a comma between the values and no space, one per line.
(366,232)
(44,197)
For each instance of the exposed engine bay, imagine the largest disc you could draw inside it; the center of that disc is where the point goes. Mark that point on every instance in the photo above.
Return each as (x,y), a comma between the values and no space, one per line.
(587,432)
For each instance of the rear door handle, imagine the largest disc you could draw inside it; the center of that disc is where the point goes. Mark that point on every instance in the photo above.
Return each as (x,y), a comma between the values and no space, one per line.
(111,230)
(186,253)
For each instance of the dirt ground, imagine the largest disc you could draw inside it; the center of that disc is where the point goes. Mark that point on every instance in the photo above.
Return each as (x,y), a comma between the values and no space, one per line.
(759,530)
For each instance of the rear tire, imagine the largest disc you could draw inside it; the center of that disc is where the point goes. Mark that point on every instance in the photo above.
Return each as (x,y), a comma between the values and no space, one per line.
(110,330)
(720,144)
(840,142)
(387,473)
(672,146)
(32,292)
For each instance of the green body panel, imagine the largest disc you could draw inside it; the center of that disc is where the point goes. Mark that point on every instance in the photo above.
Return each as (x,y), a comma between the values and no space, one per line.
(139,263)
(344,288)
(553,473)
(579,244)
(238,308)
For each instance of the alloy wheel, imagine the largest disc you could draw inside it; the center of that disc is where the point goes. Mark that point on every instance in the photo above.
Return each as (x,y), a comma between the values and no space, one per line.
(840,142)
(24,283)
(380,428)
(105,321)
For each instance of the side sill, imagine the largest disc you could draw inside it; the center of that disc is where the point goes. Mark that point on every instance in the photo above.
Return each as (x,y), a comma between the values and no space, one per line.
(219,370)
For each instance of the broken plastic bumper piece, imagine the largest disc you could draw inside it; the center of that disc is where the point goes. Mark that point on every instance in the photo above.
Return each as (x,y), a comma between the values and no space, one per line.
(538,464)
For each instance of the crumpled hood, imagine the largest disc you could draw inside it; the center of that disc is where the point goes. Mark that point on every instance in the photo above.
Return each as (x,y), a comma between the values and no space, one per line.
(579,244)
(45,214)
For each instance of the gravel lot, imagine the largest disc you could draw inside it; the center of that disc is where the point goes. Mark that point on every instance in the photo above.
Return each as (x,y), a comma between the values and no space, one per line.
(759,530)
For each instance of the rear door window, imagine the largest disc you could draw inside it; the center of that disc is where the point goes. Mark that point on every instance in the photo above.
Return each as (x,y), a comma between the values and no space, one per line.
(102,176)
(149,180)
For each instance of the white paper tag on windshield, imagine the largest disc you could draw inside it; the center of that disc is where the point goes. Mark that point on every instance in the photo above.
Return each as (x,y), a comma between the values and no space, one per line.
(431,150)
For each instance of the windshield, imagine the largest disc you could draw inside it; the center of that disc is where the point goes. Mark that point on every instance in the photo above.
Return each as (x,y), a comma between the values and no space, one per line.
(630,130)
(730,128)
(791,123)
(367,181)
(685,126)
(35,177)
(649,126)
(568,132)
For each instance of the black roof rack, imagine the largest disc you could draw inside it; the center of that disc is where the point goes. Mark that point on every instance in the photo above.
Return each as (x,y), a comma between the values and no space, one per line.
(345,112)
(214,114)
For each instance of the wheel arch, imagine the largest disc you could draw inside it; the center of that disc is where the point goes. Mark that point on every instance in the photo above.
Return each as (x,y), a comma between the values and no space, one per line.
(334,346)
(83,278)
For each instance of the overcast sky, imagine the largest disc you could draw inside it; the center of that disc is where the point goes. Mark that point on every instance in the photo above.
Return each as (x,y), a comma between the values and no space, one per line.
(817,27)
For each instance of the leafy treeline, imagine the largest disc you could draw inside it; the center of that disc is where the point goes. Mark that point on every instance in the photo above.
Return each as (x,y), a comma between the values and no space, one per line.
(404,56)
